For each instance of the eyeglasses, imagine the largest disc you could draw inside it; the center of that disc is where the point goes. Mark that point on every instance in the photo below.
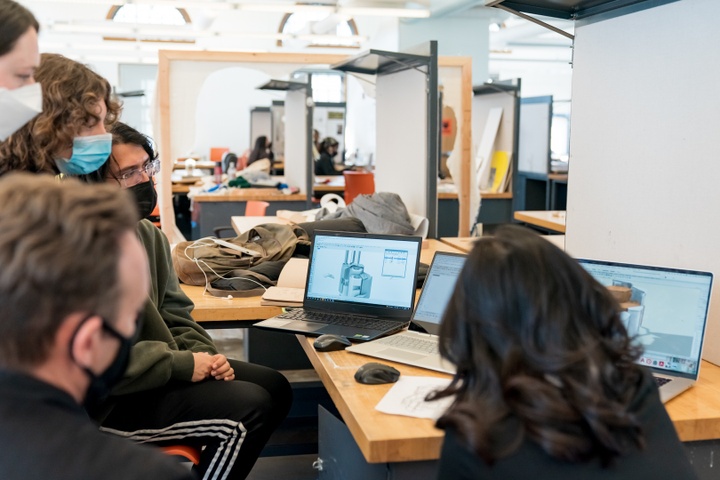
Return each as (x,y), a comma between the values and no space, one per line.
(133,177)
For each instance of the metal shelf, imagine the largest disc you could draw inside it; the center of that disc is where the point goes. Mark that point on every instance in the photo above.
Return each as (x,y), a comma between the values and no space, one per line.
(573,9)
(380,62)
(283,85)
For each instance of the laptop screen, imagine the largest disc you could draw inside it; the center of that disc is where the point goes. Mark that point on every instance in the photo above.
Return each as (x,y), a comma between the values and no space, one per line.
(437,289)
(364,271)
(664,309)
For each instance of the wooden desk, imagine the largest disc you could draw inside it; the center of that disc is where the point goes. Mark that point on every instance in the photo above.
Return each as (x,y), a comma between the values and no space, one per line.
(465,244)
(382,438)
(221,309)
(329,184)
(215,209)
(553,220)
(201,164)
(696,412)
(245,194)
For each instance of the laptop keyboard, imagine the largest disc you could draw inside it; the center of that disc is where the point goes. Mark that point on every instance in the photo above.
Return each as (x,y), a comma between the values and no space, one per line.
(662,381)
(419,345)
(342,319)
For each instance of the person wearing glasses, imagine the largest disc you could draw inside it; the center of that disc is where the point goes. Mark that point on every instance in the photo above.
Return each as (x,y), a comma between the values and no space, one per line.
(178,387)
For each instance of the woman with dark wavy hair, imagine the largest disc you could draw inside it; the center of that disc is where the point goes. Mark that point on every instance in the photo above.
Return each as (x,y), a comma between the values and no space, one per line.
(546,385)
(70,135)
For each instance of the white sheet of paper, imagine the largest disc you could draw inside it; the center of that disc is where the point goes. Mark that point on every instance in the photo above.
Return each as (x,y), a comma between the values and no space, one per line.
(407,397)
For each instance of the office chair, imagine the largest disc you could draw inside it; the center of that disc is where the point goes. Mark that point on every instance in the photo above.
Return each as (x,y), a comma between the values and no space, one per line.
(253,208)
(228,159)
(357,183)
(192,454)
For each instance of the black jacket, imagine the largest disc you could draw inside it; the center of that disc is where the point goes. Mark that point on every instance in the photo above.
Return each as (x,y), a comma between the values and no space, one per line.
(45,434)
(663,456)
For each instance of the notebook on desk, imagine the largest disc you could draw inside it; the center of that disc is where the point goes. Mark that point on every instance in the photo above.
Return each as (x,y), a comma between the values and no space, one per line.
(358,285)
(420,349)
(665,310)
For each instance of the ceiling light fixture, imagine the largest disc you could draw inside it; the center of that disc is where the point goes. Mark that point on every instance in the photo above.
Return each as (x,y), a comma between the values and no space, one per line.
(269,7)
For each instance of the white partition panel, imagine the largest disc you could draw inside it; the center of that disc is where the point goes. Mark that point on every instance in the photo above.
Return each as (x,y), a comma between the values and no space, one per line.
(401,163)
(644,146)
(296,138)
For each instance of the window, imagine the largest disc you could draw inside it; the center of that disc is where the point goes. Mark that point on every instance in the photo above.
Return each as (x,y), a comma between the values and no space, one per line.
(143,14)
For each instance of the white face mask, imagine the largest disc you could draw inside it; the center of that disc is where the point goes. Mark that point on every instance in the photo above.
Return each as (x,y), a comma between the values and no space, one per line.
(18,107)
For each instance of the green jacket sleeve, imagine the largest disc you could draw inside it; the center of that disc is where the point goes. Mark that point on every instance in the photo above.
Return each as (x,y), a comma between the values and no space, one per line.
(169,335)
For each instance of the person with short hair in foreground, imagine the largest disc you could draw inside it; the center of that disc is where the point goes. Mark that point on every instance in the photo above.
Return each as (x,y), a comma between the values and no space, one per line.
(73,283)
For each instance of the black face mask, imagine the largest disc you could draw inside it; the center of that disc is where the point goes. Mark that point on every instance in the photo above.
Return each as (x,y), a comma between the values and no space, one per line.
(101,385)
(145,197)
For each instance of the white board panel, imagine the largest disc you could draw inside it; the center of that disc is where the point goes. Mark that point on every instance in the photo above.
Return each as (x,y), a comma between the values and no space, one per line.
(644,145)
(296,138)
(534,135)
(401,163)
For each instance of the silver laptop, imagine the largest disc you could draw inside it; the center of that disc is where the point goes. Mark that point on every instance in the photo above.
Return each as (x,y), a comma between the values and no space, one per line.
(358,285)
(415,348)
(665,310)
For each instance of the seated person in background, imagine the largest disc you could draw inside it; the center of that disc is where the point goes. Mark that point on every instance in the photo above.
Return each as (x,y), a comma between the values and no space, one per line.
(261,150)
(178,388)
(325,164)
(546,384)
(19,57)
(72,286)
(69,136)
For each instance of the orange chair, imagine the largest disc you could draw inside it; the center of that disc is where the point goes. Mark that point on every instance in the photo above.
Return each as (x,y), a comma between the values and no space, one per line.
(155,216)
(186,451)
(357,183)
(255,208)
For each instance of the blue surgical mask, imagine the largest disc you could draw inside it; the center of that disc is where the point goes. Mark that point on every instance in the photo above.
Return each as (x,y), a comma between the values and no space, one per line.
(88,154)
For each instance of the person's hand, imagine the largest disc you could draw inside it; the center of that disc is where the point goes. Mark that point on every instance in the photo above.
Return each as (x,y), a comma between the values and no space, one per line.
(203,365)
(221,369)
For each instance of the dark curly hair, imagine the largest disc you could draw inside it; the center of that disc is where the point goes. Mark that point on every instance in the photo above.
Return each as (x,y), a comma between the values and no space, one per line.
(541,355)
(71,93)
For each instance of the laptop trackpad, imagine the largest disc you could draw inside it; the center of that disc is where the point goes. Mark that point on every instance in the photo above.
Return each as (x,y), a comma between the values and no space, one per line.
(401,354)
(307,326)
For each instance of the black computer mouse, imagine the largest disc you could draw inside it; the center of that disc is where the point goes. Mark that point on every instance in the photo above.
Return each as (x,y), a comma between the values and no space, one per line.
(374,373)
(331,343)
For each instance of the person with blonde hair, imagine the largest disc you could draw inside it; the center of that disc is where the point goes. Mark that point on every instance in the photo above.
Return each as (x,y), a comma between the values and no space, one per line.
(70,135)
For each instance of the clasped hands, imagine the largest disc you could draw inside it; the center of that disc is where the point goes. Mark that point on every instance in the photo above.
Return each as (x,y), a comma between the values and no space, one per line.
(215,366)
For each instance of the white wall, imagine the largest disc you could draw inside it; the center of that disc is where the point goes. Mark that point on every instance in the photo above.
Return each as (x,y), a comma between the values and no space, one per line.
(223,109)
(464,34)
(643,184)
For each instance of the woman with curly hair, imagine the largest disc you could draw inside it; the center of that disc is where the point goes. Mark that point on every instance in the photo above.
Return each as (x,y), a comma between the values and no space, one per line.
(69,136)
(546,384)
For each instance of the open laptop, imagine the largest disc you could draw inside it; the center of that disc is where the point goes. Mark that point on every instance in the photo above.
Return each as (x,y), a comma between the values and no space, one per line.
(358,285)
(665,310)
(416,348)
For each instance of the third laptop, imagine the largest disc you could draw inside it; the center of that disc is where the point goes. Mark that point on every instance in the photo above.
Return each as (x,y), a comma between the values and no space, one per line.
(358,285)
(665,310)
(415,348)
